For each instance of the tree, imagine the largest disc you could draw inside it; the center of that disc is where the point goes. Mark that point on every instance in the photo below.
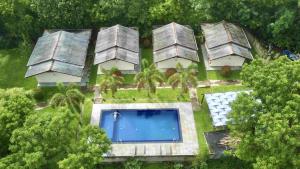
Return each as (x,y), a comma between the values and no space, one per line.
(49,140)
(274,20)
(184,78)
(110,80)
(69,97)
(61,13)
(267,119)
(148,77)
(15,105)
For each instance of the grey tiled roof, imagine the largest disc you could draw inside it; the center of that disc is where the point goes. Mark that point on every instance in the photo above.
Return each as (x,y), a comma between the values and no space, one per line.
(175,51)
(223,39)
(117,42)
(174,40)
(173,34)
(60,51)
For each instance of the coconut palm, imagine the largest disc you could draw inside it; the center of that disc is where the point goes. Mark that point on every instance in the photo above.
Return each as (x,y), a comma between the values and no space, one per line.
(148,78)
(69,97)
(184,78)
(110,80)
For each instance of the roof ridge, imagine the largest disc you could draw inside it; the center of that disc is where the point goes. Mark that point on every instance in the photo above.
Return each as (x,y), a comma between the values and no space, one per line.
(54,51)
(174,31)
(227,31)
(117,33)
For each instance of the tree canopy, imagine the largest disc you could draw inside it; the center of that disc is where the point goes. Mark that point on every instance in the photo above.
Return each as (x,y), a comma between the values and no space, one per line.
(267,120)
(277,21)
(52,140)
(15,105)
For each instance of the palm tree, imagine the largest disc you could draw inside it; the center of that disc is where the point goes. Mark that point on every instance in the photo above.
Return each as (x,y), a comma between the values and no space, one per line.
(68,97)
(148,78)
(184,78)
(110,80)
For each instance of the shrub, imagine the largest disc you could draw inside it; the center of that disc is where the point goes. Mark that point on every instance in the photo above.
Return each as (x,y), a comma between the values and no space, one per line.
(133,163)
(116,72)
(170,71)
(178,166)
(226,71)
(38,94)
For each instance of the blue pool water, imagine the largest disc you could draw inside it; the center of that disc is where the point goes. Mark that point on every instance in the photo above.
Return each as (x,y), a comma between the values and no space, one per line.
(149,125)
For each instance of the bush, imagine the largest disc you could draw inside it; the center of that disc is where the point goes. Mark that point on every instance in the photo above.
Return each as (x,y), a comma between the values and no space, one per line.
(38,94)
(226,71)
(133,163)
(170,71)
(116,72)
(178,166)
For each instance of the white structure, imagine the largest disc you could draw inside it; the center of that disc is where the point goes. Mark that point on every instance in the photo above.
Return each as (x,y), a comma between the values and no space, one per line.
(118,47)
(172,44)
(59,57)
(225,45)
(219,106)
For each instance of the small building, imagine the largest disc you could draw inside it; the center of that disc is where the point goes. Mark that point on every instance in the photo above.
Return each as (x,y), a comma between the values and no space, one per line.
(118,46)
(225,44)
(59,57)
(172,44)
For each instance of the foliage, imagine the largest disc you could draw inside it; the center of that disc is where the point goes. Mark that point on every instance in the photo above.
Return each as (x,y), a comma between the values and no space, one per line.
(184,78)
(226,71)
(274,20)
(178,166)
(15,105)
(148,77)
(51,138)
(110,80)
(267,120)
(133,163)
(69,97)
(277,21)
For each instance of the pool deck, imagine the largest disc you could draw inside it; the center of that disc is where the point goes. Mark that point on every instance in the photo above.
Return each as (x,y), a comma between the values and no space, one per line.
(151,151)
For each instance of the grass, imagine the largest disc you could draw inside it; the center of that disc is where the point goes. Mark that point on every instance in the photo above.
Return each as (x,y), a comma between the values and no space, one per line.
(128,79)
(93,75)
(202,75)
(135,96)
(87,108)
(203,124)
(147,54)
(216,75)
(13,68)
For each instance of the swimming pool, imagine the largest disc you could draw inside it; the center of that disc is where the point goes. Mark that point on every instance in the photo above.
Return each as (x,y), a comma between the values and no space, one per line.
(151,125)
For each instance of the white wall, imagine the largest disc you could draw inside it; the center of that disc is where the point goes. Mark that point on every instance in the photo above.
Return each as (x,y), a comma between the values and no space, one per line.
(55,77)
(121,65)
(171,63)
(231,60)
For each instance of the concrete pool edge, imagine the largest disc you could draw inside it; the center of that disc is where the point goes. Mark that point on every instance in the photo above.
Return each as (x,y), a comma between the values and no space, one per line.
(147,150)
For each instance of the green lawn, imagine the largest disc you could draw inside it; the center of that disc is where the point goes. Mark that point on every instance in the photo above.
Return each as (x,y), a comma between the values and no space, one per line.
(128,79)
(13,68)
(202,75)
(216,75)
(147,54)
(135,96)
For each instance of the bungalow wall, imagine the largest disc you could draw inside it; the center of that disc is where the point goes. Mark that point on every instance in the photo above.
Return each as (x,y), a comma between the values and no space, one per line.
(171,63)
(55,77)
(231,60)
(121,65)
